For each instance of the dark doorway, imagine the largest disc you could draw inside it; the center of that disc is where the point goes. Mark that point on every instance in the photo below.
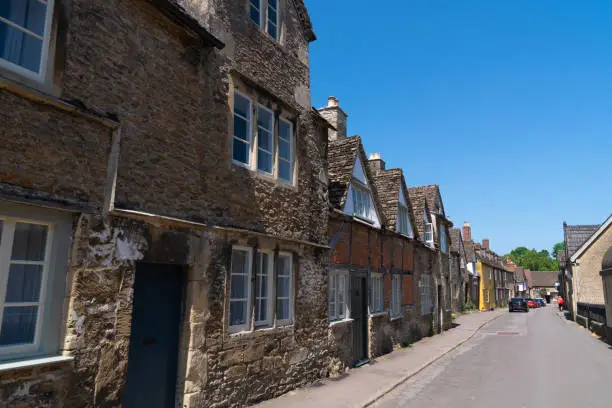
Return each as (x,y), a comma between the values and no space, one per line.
(440,308)
(153,355)
(359,314)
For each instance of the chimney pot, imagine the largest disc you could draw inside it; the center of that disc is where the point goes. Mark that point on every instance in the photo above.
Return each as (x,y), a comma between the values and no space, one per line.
(332,101)
(485,243)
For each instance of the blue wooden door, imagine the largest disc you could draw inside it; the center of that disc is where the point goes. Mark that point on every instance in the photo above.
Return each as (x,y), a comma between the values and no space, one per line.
(156,316)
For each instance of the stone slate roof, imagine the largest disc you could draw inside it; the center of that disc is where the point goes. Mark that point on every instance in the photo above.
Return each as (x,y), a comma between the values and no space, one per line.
(469,250)
(341,155)
(430,193)
(489,257)
(388,183)
(519,274)
(455,239)
(340,161)
(576,235)
(419,205)
(546,279)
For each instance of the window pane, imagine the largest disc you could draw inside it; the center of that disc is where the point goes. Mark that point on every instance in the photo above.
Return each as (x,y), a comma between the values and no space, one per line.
(284,263)
(284,149)
(261,310)
(29,242)
(264,141)
(283,287)
(238,312)
(30,14)
(242,106)
(264,119)
(282,309)
(241,128)
(24,283)
(264,161)
(284,130)
(18,325)
(240,151)
(284,170)
(20,48)
(239,286)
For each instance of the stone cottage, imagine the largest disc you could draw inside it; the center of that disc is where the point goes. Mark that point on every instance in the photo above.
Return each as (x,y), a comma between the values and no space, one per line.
(586,247)
(434,256)
(460,275)
(163,200)
(473,294)
(372,307)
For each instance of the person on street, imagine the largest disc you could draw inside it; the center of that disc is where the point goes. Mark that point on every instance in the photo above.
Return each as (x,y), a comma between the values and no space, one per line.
(561,302)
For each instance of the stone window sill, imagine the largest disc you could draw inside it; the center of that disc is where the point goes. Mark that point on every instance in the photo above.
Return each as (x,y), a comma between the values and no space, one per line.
(378,314)
(35,362)
(394,318)
(339,322)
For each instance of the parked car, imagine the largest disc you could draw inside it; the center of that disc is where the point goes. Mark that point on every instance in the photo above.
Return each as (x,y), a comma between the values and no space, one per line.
(532,304)
(541,302)
(518,304)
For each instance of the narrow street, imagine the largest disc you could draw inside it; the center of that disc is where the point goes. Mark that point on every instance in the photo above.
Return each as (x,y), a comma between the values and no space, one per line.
(518,360)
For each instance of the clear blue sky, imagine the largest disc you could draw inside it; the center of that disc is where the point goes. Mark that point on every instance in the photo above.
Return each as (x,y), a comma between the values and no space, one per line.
(507,105)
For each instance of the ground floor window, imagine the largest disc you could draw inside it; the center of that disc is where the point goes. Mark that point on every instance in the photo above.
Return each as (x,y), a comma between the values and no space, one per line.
(396,295)
(338,291)
(376,300)
(425,295)
(273,300)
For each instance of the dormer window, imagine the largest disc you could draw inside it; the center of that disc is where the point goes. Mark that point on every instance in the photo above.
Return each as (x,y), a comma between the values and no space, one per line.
(265,13)
(405,226)
(428,229)
(361,200)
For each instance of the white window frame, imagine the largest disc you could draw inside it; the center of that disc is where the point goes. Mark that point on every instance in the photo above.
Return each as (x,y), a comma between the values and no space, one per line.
(427,229)
(6,246)
(46,41)
(333,289)
(364,192)
(247,325)
(289,320)
(291,153)
(396,295)
(377,301)
(249,120)
(277,33)
(403,216)
(271,295)
(443,242)
(425,295)
(273,139)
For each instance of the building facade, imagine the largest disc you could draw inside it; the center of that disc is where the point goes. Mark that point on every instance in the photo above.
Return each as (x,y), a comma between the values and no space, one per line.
(163,193)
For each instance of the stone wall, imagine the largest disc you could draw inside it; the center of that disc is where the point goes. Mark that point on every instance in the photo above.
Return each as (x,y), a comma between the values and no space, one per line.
(588,285)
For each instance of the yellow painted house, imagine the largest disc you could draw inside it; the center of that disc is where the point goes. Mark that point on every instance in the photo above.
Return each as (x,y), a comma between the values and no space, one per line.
(487,286)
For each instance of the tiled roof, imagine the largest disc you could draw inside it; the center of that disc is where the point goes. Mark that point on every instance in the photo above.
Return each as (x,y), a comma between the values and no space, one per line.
(341,159)
(519,274)
(469,250)
(528,278)
(388,184)
(576,235)
(419,205)
(544,278)
(341,156)
(455,238)
(430,193)
(489,257)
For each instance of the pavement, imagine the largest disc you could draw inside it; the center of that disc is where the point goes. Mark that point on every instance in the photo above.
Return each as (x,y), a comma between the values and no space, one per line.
(366,385)
(520,360)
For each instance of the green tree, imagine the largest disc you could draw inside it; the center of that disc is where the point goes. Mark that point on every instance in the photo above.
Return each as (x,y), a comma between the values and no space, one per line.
(559,246)
(533,260)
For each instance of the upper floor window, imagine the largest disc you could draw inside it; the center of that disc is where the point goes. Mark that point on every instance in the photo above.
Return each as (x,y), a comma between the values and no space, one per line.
(257,149)
(443,246)
(265,13)
(405,226)
(25,30)
(361,200)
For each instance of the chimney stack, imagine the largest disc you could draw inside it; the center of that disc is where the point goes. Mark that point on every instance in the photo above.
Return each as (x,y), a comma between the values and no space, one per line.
(376,163)
(334,114)
(485,243)
(467,232)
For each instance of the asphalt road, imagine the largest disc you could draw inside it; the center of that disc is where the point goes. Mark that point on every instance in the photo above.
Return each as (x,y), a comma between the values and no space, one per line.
(520,360)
